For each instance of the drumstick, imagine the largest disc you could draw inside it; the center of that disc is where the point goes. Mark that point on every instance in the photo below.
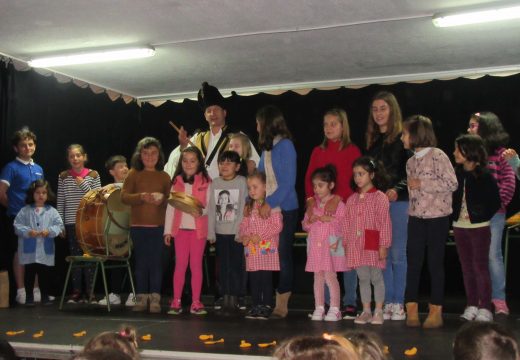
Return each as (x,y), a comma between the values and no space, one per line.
(179,131)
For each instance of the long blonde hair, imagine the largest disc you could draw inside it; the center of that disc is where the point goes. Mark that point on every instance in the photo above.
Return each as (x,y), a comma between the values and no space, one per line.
(395,119)
(247,152)
(342,117)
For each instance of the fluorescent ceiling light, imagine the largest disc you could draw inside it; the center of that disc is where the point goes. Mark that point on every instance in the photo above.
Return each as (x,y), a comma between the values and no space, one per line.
(93,57)
(477,16)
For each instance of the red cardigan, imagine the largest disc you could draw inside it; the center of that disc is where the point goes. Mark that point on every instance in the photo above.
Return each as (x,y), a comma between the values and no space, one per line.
(341,159)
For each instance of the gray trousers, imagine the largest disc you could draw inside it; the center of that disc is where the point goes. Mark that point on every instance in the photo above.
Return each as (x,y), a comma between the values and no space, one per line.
(367,275)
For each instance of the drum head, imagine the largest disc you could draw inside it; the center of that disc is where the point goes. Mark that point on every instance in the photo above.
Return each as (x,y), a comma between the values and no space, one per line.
(185,202)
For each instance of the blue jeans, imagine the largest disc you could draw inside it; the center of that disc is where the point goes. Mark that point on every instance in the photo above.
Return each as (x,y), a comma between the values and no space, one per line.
(148,250)
(496,260)
(396,264)
(285,249)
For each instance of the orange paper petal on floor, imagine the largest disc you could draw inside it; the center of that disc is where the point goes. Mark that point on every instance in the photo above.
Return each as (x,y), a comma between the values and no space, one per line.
(264,345)
(386,350)
(206,337)
(146,337)
(39,334)
(244,344)
(14,333)
(411,352)
(211,342)
(80,334)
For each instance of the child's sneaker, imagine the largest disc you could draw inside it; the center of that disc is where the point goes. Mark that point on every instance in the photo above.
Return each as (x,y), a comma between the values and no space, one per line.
(334,314)
(264,312)
(470,313)
(20,296)
(388,311)
(364,318)
(175,307)
(46,300)
(500,307)
(350,312)
(398,313)
(318,314)
(241,303)
(219,302)
(113,298)
(197,308)
(484,315)
(253,312)
(378,319)
(75,297)
(29,301)
(37,295)
(131,300)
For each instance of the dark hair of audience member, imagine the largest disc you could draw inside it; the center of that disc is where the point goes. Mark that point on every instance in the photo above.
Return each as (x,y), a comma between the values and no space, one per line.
(316,347)
(6,351)
(368,344)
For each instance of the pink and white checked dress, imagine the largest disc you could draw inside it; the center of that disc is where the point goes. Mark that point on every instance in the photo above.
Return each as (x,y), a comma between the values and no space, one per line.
(264,255)
(369,211)
(320,256)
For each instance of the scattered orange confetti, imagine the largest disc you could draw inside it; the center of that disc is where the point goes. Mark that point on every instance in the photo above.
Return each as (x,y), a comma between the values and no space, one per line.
(264,345)
(386,350)
(146,337)
(86,255)
(411,352)
(14,333)
(212,342)
(39,334)
(80,334)
(206,337)
(244,344)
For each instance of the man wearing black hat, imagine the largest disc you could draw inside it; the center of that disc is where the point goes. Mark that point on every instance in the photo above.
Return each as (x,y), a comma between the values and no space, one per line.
(210,142)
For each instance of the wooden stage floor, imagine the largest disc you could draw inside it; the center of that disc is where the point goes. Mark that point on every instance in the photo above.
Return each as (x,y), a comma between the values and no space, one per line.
(176,337)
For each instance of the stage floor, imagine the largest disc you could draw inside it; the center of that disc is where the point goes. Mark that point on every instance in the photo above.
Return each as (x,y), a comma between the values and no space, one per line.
(176,337)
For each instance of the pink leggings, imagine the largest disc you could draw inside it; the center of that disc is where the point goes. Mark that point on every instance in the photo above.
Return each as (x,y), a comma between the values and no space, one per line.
(331,279)
(188,249)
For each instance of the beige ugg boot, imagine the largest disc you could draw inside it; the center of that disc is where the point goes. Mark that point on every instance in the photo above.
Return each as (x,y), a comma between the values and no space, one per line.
(281,309)
(434,319)
(141,302)
(412,315)
(4,290)
(155,303)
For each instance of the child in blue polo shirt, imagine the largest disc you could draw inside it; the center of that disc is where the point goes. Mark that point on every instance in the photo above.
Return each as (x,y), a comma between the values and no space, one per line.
(15,179)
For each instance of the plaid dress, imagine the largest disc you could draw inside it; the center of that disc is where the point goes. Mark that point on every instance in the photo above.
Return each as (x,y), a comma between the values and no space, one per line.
(321,235)
(367,220)
(264,255)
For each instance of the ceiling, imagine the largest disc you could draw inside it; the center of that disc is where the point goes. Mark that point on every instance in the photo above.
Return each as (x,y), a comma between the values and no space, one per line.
(256,45)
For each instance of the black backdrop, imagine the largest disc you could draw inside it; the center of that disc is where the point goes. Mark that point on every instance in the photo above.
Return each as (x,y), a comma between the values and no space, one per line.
(61,114)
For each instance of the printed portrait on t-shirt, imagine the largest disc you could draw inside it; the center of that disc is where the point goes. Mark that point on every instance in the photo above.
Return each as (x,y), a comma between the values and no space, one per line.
(227,204)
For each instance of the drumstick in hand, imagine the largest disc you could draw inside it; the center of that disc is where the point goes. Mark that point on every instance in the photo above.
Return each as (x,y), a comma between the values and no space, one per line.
(179,130)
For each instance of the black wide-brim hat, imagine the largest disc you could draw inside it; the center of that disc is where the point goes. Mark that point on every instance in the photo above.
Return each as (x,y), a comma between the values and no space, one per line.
(208,96)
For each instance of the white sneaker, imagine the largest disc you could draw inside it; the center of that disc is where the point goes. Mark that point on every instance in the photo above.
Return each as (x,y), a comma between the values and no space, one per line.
(398,313)
(484,315)
(470,313)
(318,314)
(37,295)
(388,311)
(20,296)
(334,314)
(113,298)
(131,300)
(52,298)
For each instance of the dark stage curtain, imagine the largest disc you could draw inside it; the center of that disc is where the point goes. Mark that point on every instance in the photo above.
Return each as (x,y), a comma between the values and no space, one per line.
(62,114)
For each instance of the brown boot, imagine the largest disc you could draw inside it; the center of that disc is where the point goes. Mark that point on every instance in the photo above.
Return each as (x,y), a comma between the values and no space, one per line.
(141,303)
(280,311)
(4,290)
(412,315)
(434,319)
(155,303)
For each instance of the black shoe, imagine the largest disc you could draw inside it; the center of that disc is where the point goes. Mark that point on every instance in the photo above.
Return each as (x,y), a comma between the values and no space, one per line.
(46,301)
(217,305)
(241,303)
(349,312)
(29,301)
(253,313)
(264,313)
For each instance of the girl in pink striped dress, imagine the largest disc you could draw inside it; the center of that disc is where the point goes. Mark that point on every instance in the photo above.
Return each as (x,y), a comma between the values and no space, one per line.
(325,252)
(368,235)
(260,239)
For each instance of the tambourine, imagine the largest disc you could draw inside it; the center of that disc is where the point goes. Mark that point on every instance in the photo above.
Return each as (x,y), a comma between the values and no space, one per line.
(184,202)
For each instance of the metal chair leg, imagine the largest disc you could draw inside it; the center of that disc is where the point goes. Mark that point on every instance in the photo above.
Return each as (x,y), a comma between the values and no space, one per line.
(66,284)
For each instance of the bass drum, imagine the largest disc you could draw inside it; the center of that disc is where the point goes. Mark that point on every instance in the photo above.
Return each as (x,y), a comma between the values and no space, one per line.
(103,223)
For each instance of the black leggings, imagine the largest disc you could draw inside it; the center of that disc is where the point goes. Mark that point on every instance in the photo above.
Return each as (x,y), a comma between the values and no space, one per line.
(261,287)
(43,272)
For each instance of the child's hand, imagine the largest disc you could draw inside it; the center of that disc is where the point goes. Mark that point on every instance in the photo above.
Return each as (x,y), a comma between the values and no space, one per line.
(195,213)
(509,154)
(79,180)
(255,239)
(167,239)
(309,204)
(334,246)
(44,233)
(414,184)
(146,197)
(391,195)
(156,198)
(332,205)
(247,211)
(326,218)
(33,233)
(265,210)
(245,240)
(212,241)
(313,218)
(383,252)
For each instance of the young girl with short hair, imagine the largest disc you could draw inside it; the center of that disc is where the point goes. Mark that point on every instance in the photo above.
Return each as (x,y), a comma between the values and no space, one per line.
(189,230)
(368,235)
(73,184)
(489,127)
(431,181)
(475,202)
(146,190)
(260,236)
(37,224)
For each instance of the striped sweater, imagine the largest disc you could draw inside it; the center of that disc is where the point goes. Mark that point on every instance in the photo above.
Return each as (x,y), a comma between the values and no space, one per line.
(505,176)
(70,194)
